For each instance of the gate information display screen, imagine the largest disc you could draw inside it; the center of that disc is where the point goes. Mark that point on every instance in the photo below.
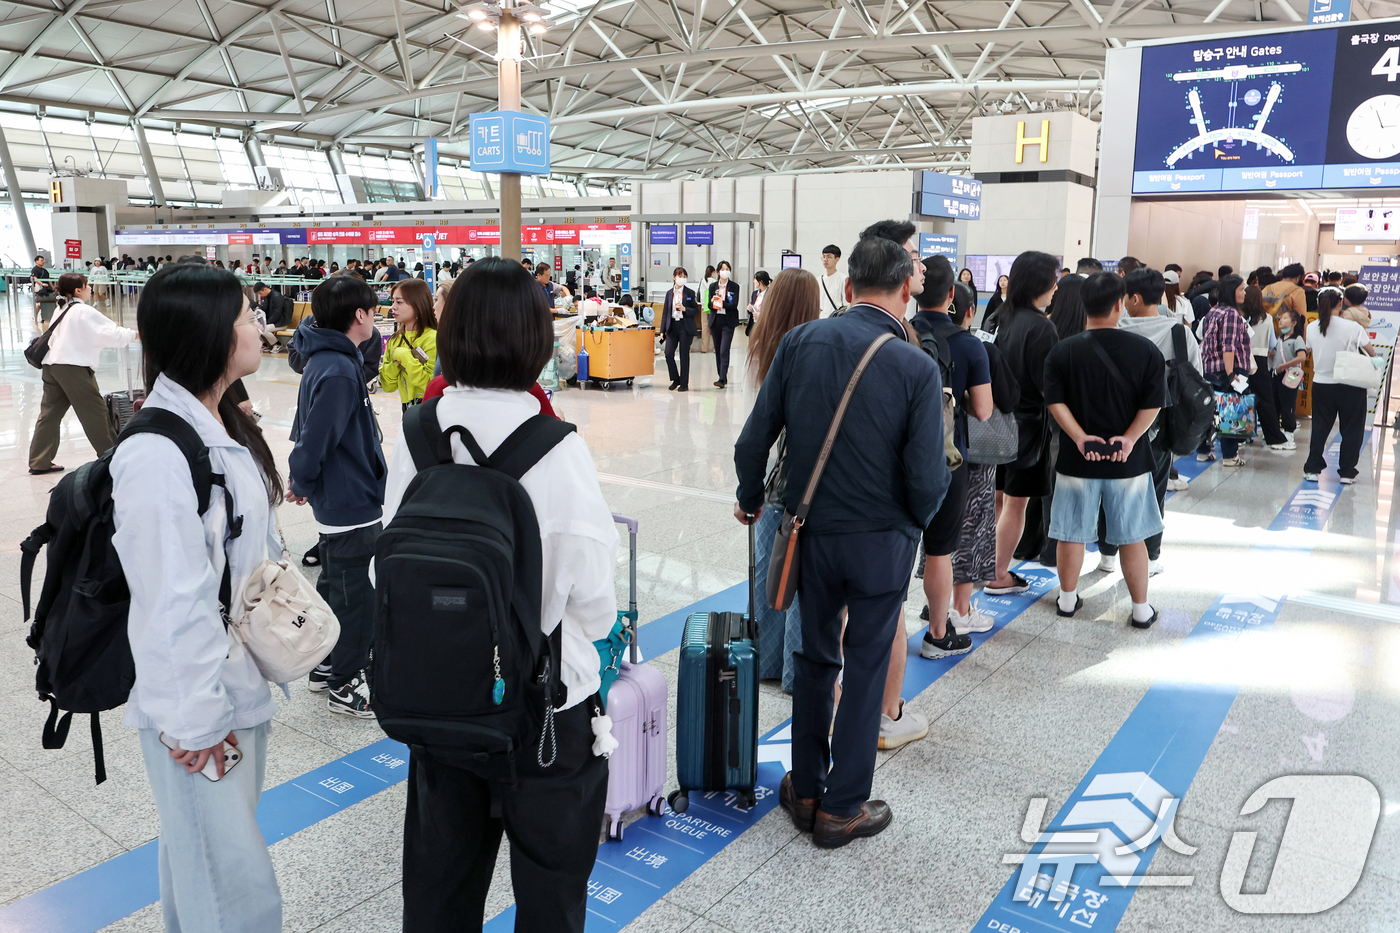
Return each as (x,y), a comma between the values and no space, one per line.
(1308,109)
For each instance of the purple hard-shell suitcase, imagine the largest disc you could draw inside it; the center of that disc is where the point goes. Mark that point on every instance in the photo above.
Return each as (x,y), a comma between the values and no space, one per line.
(637,707)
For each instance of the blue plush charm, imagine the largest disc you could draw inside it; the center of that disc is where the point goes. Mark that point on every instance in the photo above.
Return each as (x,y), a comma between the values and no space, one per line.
(498,692)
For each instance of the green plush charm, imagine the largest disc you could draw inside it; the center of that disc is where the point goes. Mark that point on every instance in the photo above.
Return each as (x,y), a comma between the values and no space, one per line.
(498,692)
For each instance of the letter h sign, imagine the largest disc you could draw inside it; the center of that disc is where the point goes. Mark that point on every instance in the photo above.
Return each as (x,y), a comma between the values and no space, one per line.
(1043,140)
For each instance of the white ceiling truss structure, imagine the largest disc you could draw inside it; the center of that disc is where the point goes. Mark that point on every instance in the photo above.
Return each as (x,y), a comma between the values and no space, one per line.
(634,88)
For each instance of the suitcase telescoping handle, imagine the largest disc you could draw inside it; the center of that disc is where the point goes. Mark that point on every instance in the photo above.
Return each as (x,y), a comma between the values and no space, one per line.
(631,524)
(753,615)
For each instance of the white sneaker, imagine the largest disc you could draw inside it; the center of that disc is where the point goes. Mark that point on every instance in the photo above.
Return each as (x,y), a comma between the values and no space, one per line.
(971,623)
(1179,484)
(1108,563)
(1154,567)
(1205,458)
(1309,477)
(1289,435)
(1289,443)
(909,727)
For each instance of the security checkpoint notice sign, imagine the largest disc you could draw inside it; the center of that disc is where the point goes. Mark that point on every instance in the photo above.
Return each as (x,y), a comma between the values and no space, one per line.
(506,141)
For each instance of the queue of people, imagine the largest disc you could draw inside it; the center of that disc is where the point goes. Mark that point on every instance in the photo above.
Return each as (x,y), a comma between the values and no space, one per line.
(1078,365)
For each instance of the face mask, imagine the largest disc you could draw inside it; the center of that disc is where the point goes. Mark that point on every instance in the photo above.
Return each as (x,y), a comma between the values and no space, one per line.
(724,274)
(680,283)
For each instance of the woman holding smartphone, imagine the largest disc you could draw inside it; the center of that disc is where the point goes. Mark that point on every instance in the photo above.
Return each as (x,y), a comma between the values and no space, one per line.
(199,701)
(411,354)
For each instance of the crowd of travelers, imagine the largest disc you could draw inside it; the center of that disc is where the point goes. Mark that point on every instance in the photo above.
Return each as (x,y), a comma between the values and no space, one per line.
(1042,431)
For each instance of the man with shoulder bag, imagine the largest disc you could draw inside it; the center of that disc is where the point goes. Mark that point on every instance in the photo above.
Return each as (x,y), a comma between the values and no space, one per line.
(863,411)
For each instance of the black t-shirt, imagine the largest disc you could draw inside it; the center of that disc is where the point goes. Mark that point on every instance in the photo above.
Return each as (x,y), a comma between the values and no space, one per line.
(1025,338)
(1105,404)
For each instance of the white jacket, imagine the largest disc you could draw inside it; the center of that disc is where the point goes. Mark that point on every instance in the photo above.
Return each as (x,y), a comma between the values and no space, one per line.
(79,338)
(192,681)
(578,539)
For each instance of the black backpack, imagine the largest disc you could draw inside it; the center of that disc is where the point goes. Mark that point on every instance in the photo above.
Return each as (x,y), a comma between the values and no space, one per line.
(79,631)
(933,339)
(460,669)
(1191,413)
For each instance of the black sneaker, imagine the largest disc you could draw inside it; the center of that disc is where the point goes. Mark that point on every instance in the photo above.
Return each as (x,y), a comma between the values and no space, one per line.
(352,699)
(318,681)
(924,615)
(950,644)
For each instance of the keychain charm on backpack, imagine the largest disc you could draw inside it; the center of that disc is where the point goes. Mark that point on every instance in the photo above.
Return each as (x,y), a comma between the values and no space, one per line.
(498,692)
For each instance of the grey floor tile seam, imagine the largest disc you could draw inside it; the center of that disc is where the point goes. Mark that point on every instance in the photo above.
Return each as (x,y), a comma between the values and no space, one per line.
(757,868)
(99,829)
(360,903)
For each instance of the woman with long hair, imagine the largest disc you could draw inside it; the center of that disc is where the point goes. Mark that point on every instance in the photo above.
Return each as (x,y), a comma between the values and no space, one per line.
(792,300)
(966,277)
(77,335)
(1262,340)
(1225,353)
(194,699)
(1067,307)
(1333,401)
(411,354)
(1174,303)
(1026,337)
(995,302)
(496,336)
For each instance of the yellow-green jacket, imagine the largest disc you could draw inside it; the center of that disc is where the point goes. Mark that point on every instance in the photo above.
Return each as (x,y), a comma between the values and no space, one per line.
(402,370)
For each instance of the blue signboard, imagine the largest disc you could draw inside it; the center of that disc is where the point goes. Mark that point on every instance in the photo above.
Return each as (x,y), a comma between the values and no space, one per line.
(430,159)
(1241,113)
(939,244)
(957,186)
(699,234)
(664,235)
(625,251)
(1322,12)
(506,141)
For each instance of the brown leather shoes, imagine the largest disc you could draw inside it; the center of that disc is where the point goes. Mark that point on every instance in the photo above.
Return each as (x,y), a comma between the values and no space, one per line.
(832,832)
(802,809)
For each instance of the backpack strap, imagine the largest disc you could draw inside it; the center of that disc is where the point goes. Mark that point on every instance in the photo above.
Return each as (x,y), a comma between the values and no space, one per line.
(424,437)
(170,425)
(527,444)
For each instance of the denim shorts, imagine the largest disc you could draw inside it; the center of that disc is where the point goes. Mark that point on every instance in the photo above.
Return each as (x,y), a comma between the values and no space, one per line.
(1129,507)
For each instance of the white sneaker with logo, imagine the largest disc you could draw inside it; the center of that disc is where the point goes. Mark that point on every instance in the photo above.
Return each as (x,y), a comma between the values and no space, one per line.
(971,623)
(909,727)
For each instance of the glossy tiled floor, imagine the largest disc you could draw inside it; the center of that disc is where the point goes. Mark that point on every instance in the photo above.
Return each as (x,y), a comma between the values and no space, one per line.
(1024,716)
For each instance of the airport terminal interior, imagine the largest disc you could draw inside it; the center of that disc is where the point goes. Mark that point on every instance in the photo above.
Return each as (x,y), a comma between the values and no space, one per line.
(1231,766)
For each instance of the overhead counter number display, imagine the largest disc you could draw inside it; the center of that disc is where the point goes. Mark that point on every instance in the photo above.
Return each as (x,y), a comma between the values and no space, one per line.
(1242,113)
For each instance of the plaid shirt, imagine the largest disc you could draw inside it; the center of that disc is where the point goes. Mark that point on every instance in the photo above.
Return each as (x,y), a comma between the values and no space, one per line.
(1224,331)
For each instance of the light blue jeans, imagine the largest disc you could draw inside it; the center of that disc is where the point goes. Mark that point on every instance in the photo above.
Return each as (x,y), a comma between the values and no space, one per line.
(215,872)
(779,633)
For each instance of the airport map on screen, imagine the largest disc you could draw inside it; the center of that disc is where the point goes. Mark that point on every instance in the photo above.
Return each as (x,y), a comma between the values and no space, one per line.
(1301,110)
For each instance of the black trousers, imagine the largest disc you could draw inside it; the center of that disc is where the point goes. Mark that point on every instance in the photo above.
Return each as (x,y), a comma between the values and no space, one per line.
(344,583)
(1287,401)
(1261,383)
(868,573)
(1345,404)
(552,817)
(1161,472)
(724,336)
(676,337)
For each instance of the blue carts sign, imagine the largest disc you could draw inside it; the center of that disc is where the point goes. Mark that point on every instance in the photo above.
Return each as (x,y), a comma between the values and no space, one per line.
(506,141)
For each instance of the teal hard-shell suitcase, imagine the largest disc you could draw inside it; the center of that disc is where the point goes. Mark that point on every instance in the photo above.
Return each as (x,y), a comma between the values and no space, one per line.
(717,704)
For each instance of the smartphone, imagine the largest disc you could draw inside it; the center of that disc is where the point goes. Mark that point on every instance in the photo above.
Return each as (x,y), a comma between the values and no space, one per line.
(232,756)
(1103,447)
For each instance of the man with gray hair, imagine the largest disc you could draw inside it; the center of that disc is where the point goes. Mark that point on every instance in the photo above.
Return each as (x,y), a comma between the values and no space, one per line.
(884,480)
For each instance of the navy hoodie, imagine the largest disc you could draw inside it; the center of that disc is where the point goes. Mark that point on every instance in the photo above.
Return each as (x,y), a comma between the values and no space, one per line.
(337,463)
